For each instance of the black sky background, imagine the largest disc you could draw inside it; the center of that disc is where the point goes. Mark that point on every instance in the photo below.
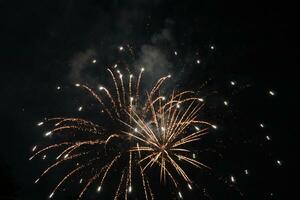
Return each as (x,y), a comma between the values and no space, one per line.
(253,41)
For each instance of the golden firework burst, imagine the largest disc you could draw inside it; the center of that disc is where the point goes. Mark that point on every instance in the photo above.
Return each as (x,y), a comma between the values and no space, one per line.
(155,129)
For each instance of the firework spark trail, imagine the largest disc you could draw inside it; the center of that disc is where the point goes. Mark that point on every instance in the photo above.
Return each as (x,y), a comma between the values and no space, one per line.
(116,87)
(152,133)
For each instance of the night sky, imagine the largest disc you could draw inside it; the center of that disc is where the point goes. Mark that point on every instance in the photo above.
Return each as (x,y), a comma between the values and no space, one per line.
(240,54)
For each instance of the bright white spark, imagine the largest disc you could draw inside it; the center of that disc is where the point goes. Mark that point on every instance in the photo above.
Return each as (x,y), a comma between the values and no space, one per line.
(121,48)
(232,82)
(135,130)
(268,137)
(246,171)
(80,181)
(163,98)
(214,126)
(200,99)
(190,187)
(66,155)
(58,87)
(232,179)
(37,180)
(131,99)
(279,162)
(130,76)
(198,61)
(44,157)
(169,76)
(129,189)
(99,189)
(77,84)
(272,93)
(80,108)
(34,148)
(48,133)
(101,88)
(262,125)
(51,195)
(178,105)
(194,155)
(94,61)
(142,69)
(175,52)
(197,128)
(180,195)
(225,103)
(40,123)
(116,65)
(212,47)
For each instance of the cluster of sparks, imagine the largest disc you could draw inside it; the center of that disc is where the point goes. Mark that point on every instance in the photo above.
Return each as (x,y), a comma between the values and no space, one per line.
(154,130)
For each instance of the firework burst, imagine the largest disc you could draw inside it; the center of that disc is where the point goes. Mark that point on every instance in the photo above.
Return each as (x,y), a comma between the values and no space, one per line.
(143,130)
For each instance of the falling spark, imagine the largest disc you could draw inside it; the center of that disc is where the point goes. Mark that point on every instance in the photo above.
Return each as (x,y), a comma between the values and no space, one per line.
(34,148)
(194,156)
(51,195)
(268,137)
(232,179)
(94,61)
(58,87)
(180,195)
(214,126)
(200,99)
(77,85)
(48,133)
(198,61)
(99,189)
(40,123)
(129,189)
(225,103)
(232,83)
(190,187)
(212,47)
(272,93)
(279,162)
(246,171)
(80,108)
(261,125)
(175,52)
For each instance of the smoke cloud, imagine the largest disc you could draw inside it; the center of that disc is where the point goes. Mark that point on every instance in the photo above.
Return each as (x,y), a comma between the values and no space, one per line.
(79,63)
